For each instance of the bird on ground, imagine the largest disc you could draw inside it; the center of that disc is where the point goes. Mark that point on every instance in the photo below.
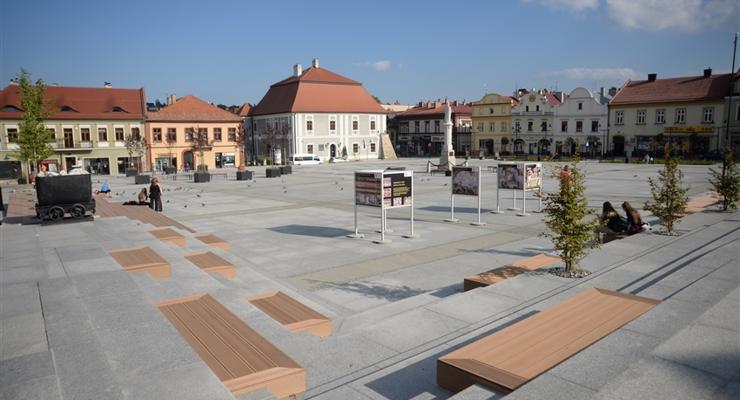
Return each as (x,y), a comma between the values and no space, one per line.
(341,188)
(185,206)
(167,201)
(203,204)
(197,195)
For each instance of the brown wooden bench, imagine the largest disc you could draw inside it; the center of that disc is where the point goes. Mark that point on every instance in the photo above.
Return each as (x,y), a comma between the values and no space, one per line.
(518,353)
(212,264)
(142,259)
(509,271)
(240,357)
(214,241)
(700,203)
(606,235)
(169,235)
(104,208)
(296,316)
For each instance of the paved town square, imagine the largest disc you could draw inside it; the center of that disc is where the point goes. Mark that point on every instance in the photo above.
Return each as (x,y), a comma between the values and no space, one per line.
(76,325)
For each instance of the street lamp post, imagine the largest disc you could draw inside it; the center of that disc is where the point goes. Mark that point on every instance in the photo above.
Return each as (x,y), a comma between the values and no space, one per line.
(516,129)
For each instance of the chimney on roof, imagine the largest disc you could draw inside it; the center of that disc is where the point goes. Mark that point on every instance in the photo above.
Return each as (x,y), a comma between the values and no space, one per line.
(107,85)
(601,91)
(707,72)
(315,63)
(612,91)
(297,70)
(171,99)
(652,77)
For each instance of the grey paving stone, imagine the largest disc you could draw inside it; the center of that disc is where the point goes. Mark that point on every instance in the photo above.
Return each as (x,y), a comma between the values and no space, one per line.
(527,286)
(189,382)
(121,310)
(341,393)
(22,335)
(24,274)
(90,265)
(477,392)
(474,305)
(45,388)
(26,303)
(16,289)
(24,368)
(706,348)
(547,386)
(706,291)
(76,252)
(84,372)
(729,392)
(666,319)
(104,284)
(723,314)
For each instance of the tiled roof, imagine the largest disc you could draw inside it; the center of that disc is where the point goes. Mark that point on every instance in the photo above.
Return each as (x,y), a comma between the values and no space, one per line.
(82,103)
(552,99)
(244,110)
(191,108)
(689,88)
(316,90)
(437,108)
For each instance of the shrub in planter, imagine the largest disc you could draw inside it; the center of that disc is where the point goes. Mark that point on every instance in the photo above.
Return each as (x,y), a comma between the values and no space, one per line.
(286,170)
(142,179)
(272,172)
(132,172)
(244,175)
(170,170)
(201,174)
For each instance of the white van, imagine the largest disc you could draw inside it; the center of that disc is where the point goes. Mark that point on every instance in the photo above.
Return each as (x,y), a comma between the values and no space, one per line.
(305,159)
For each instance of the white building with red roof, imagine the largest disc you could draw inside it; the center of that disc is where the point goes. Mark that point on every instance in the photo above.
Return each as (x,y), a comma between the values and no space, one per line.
(316,111)
(421,131)
(532,121)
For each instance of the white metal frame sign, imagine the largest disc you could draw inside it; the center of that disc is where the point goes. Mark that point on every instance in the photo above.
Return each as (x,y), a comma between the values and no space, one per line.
(466,181)
(516,177)
(386,190)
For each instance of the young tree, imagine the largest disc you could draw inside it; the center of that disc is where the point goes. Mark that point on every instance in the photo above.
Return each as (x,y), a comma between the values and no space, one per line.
(566,217)
(727,181)
(33,139)
(200,145)
(668,194)
(135,144)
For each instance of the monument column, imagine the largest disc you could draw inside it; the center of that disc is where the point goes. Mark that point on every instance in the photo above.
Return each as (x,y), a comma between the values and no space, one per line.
(447,158)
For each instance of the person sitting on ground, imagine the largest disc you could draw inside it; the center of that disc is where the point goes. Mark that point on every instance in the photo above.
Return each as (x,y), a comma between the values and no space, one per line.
(634,222)
(143,197)
(612,219)
(104,189)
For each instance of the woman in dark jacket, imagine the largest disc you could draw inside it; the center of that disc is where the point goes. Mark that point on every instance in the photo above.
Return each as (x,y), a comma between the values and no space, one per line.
(634,222)
(155,195)
(613,221)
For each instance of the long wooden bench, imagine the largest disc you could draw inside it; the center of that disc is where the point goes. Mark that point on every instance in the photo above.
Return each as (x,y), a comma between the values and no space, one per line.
(294,315)
(509,271)
(700,203)
(142,259)
(104,208)
(240,357)
(214,241)
(212,264)
(169,235)
(517,354)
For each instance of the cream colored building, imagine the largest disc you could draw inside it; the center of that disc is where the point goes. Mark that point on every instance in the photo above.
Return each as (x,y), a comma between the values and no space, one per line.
(492,125)
(532,122)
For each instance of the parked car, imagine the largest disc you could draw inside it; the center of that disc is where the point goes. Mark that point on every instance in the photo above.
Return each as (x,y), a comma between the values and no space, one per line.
(305,159)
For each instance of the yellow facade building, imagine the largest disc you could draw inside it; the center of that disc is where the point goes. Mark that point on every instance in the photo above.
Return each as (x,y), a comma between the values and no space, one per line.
(492,125)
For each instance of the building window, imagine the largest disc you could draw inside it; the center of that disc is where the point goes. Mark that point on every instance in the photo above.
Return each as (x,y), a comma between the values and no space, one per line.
(309,148)
(619,118)
(203,132)
(231,134)
(680,115)
(372,147)
(217,135)
(503,126)
(579,126)
(171,134)
(660,116)
(580,106)
(102,134)
(480,126)
(157,134)
(119,134)
(188,134)
(355,148)
(372,124)
(708,114)
(526,108)
(537,108)
(594,126)
(135,133)
(436,126)
(492,127)
(332,124)
(51,134)
(529,126)
(641,117)
(426,127)
(12,135)
(737,113)
(85,134)
(355,124)
(563,126)
(543,126)
(417,126)
(309,123)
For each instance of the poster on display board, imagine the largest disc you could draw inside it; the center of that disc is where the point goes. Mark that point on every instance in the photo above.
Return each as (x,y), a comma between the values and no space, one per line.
(465,181)
(368,188)
(533,176)
(397,189)
(510,176)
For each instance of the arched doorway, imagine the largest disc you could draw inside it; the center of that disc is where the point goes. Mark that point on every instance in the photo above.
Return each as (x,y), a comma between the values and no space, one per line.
(618,145)
(570,146)
(333,151)
(518,146)
(187,159)
(544,146)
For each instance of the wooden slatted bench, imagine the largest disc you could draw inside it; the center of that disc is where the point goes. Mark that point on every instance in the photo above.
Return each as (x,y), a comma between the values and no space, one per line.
(294,315)
(517,354)
(509,271)
(142,259)
(169,235)
(240,357)
(212,264)
(214,241)
(104,208)
(699,204)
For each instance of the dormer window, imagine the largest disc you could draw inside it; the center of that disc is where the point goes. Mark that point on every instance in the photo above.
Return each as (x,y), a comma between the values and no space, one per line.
(66,109)
(117,109)
(11,108)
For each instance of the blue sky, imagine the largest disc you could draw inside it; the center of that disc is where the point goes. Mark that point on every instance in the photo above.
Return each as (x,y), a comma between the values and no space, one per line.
(231,51)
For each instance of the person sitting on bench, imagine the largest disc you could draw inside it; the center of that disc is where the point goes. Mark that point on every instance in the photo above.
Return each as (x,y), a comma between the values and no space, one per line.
(634,222)
(614,221)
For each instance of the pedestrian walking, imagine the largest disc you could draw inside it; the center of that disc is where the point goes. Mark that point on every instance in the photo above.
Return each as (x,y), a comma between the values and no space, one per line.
(155,195)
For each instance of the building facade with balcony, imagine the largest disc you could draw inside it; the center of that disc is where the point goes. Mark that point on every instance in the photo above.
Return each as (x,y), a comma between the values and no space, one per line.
(532,122)
(581,123)
(421,131)
(491,122)
(170,133)
(86,126)
(685,114)
(731,133)
(319,112)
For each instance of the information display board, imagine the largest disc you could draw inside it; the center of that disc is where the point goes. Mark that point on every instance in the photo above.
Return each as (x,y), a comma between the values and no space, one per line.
(384,189)
(368,188)
(466,181)
(511,176)
(397,189)
(533,176)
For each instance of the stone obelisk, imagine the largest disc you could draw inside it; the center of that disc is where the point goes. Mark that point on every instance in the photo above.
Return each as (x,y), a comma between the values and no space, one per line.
(447,159)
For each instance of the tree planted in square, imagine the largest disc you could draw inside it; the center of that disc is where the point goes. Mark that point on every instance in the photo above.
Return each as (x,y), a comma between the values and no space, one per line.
(669,195)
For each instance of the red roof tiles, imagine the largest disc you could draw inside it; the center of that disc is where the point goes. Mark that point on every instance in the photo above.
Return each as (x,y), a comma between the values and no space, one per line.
(81,103)
(689,88)
(316,90)
(437,108)
(191,108)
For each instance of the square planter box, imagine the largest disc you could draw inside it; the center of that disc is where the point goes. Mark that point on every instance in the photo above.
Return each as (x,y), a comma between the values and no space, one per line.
(132,172)
(142,179)
(286,169)
(170,170)
(272,172)
(244,175)
(201,177)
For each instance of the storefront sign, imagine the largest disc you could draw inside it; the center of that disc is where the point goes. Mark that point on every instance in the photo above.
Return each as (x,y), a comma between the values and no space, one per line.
(689,129)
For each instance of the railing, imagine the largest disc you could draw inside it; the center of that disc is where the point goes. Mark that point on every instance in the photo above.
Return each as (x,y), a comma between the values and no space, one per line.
(66,144)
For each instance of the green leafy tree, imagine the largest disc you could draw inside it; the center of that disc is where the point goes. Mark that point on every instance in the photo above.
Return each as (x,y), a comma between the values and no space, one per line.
(727,181)
(567,216)
(669,195)
(33,139)
(135,144)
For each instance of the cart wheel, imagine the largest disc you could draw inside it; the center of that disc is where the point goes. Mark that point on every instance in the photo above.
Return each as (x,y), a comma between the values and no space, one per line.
(77,211)
(56,213)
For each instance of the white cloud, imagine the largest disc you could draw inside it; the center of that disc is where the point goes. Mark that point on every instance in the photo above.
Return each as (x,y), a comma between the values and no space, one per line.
(574,5)
(594,74)
(380,65)
(684,15)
